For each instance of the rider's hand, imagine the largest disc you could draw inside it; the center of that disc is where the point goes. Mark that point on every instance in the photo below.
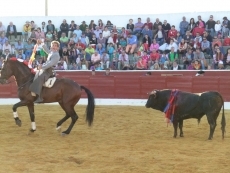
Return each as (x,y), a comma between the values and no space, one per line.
(39,41)
(39,66)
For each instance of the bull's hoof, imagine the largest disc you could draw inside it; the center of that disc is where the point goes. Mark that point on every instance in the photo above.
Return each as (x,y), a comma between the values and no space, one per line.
(181,135)
(174,136)
(18,122)
(209,138)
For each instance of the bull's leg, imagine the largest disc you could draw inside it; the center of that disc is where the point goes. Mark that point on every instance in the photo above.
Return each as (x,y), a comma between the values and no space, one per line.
(175,125)
(212,124)
(181,128)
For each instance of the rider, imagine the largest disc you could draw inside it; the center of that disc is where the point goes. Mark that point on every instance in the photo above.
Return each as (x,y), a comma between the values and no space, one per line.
(45,70)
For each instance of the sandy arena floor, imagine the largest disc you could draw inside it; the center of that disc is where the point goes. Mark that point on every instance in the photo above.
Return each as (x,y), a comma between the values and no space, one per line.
(122,139)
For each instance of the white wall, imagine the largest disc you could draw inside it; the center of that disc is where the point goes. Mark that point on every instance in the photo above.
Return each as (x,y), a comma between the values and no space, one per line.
(119,21)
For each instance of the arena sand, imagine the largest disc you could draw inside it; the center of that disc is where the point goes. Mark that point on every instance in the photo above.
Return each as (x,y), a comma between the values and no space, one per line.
(122,139)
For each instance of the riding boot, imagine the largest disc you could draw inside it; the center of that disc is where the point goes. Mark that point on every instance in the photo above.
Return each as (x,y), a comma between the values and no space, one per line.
(39,99)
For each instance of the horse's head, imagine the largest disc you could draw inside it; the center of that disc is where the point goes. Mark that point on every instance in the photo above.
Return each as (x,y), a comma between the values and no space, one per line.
(6,71)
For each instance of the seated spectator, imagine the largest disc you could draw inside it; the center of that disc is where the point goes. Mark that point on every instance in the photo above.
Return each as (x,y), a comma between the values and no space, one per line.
(71,54)
(114,58)
(207,36)
(26,32)
(197,65)
(65,55)
(197,44)
(21,55)
(3,39)
(28,48)
(93,41)
(78,32)
(187,37)
(154,57)
(85,59)
(74,66)
(226,41)
(90,50)
(7,46)
(160,35)
(172,56)
(175,66)
(100,49)
(2,28)
(49,38)
(154,45)
(166,26)
(218,58)
(172,32)
(131,43)
(110,48)
(167,47)
(123,60)
(130,25)
(84,39)
(198,54)
(95,59)
(145,60)
(80,46)
(97,31)
(39,34)
(199,29)
(32,36)
(122,42)
(101,40)
(216,41)
(105,63)
(133,59)
(148,32)
(182,48)
(74,38)
(218,28)
(189,57)
(124,33)
(11,30)
(6,54)
(178,38)
(72,27)
(227,57)
(140,64)
(205,46)
(63,41)
(13,51)
(112,41)
(163,61)
(33,25)
(156,66)
(50,27)
(146,42)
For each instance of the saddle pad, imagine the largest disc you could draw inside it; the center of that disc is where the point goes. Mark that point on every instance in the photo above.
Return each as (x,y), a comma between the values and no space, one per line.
(50,82)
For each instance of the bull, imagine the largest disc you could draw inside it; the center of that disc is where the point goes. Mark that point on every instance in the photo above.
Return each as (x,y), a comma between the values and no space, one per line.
(189,105)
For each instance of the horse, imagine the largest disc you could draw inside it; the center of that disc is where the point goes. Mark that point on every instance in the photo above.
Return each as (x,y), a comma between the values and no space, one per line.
(64,91)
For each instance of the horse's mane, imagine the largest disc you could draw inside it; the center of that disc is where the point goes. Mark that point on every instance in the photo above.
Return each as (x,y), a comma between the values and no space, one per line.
(23,64)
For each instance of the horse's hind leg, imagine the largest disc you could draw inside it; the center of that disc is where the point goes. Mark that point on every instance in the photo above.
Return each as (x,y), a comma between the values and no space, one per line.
(70,111)
(66,117)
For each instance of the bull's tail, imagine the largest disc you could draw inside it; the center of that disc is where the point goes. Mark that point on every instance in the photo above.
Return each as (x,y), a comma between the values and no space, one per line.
(223,122)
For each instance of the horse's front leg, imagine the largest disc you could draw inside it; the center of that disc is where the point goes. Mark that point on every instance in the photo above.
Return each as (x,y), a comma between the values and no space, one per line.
(32,116)
(15,114)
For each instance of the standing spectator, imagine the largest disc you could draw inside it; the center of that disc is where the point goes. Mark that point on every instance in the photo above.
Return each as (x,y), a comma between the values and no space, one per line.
(191,25)
(43,27)
(138,27)
(83,26)
(50,27)
(100,25)
(218,28)
(155,26)
(183,26)
(11,30)
(97,31)
(225,27)
(92,26)
(130,25)
(166,26)
(26,31)
(200,22)
(64,28)
(2,28)
(72,27)
(33,25)
(210,26)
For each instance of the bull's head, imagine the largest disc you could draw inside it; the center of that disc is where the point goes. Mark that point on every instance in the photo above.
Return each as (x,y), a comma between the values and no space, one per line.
(152,98)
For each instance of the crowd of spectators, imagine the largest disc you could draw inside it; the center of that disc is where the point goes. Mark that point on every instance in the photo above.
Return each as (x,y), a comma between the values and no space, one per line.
(138,45)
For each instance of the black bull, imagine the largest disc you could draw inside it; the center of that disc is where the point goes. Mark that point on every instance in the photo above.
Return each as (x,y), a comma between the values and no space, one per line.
(189,105)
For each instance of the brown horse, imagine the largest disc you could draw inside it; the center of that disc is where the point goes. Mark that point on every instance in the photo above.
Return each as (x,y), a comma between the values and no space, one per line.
(64,91)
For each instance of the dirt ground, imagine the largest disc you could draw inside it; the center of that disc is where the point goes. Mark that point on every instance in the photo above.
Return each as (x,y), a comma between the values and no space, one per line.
(123,139)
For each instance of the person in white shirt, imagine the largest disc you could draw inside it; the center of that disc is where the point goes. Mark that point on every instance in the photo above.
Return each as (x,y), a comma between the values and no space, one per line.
(218,27)
(106,35)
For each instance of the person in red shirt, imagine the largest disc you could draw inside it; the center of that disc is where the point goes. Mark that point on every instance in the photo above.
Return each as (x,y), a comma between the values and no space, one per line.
(154,58)
(149,23)
(172,32)
(226,41)
(80,46)
(145,59)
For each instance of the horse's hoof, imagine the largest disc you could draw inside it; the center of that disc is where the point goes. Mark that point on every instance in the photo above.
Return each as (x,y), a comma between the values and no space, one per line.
(31,131)
(174,136)
(63,134)
(58,128)
(18,122)
(181,135)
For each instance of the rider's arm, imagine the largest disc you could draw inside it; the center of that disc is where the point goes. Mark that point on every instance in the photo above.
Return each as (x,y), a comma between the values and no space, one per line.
(52,62)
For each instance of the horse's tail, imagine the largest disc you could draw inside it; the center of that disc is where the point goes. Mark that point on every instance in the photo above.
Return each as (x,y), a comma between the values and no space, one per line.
(223,122)
(90,107)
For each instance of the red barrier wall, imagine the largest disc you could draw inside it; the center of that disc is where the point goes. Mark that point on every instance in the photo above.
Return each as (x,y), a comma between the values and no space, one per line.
(135,85)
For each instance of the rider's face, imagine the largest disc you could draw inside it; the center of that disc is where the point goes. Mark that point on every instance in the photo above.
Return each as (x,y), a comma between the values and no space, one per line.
(54,47)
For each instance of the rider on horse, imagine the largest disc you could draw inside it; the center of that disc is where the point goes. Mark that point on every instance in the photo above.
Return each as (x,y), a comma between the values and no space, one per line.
(45,70)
